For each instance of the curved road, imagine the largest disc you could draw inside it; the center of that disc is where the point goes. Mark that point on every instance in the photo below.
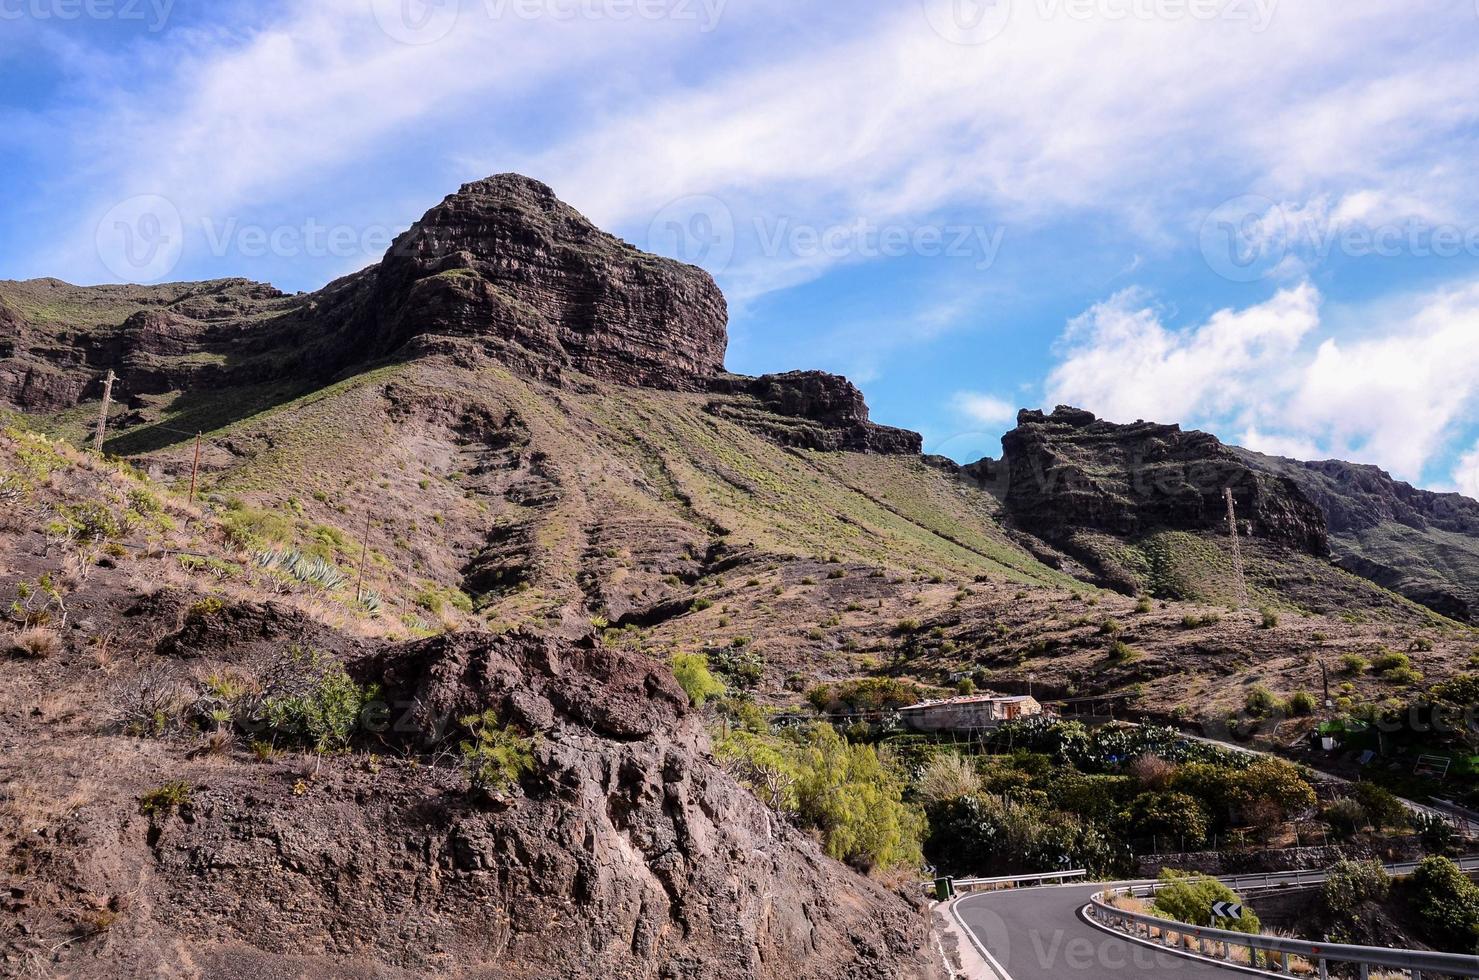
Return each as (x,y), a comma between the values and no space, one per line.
(1036,934)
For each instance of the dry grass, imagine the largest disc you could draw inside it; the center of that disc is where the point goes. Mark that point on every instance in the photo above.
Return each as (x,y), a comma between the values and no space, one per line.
(36,643)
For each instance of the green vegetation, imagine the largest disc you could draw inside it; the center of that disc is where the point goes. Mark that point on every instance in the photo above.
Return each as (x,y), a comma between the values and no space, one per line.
(1189,898)
(1348,886)
(496,756)
(314,703)
(692,672)
(849,794)
(1446,902)
(166,799)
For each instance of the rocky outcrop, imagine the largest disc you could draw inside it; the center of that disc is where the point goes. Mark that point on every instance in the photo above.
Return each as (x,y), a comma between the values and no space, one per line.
(1070,471)
(1418,543)
(809,410)
(626,852)
(505,260)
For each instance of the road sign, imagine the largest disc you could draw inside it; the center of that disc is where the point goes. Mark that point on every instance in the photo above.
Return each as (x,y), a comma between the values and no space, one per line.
(1226,910)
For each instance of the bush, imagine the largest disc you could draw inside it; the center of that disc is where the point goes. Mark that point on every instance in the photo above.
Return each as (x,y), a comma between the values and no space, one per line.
(1190,622)
(1169,819)
(1121,652)
(1302,704)
(946,777)
(1143,605)
(321,706)
(1269,619)
(1270,790)
(987,835)
(1447,904)
(1189,897)
(1261,702)
(496,757)
(1349,885)
(36,643)
(1435,833)
(166,799)
(1382,807)
(1353,663)
(1110,627)
(692,672)
(1346,818)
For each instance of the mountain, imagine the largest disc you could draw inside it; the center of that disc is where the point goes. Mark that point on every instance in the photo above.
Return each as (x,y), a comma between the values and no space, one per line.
(1422,544)
(505,470)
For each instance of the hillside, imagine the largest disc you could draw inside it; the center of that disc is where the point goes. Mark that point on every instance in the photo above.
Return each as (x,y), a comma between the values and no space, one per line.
(506,471)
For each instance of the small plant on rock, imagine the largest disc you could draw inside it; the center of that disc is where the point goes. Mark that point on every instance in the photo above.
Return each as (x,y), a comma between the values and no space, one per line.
(496,757)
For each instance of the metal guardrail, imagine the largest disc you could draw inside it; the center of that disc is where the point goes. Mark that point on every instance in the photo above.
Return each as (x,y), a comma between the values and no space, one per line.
(1053,877)
(1273,953)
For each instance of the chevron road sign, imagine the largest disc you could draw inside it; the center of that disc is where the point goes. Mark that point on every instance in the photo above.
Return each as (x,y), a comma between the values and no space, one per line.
(1226,910)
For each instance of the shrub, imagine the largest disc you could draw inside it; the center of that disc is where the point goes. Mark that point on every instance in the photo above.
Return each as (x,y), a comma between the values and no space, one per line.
(692,672)
(36,643)
(947,776)
(1190,622)
(1447,904)
(1121,652)
(1270,789)
(321,705)
(1269,619)
(1435,833)
(1382,807)
(1167,818)
(496,757)
(1353,663)
(1302,704)
(1391,660)
(1346,818)
(907,626)
(1152,772)
(699,605)
(992,835)
(965,687)
(1110,627)
(1261,702)
(1144,605)
(1189,897)
(1349,885)
(166,799)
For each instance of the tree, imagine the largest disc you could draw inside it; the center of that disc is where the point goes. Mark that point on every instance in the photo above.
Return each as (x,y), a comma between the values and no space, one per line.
(846,792)
(692,672)
(1271,789)
(1381,806)
(1349,885)
(1171,818)
(1447,905)
(1346,818)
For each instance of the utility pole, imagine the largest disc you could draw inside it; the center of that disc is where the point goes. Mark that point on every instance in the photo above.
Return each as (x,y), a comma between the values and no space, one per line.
(195,467)
(364,554)
(97,443)
(1237,547)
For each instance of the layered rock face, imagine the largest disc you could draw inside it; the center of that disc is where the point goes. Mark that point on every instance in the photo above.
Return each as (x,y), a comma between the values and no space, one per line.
(809,410)
(1070,470)
(625,853)
(1421,544)
(505,259)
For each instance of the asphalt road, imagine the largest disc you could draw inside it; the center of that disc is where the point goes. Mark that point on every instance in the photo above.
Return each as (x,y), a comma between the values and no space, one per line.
(1036,934)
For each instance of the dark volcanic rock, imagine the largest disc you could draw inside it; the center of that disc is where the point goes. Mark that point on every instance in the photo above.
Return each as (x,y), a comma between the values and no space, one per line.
(1421,544)
(505,259)
(1069,471)
(809,410)
(627,852)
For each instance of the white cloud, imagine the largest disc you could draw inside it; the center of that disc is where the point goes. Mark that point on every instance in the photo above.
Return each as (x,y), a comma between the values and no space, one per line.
(1274,378)
(1466,473)
(983,408)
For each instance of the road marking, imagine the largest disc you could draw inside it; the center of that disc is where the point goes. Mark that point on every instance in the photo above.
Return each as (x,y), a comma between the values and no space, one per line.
(991,961)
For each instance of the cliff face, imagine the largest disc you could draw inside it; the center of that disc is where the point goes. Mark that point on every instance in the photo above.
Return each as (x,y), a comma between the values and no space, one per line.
(1421,544)
(1069,471)
(809,410)
(506,260)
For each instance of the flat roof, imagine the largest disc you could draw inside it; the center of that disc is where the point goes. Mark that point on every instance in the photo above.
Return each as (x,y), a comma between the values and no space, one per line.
(971,699)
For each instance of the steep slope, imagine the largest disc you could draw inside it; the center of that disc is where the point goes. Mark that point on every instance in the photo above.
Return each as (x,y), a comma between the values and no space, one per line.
(1421,544)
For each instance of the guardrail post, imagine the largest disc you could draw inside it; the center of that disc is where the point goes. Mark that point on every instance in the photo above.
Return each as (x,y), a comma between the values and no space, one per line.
(1365,972)
(1324,970)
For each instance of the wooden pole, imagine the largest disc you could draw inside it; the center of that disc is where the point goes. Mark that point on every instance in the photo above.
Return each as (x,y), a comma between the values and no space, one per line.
(364,554)
(195,467)
(97,444)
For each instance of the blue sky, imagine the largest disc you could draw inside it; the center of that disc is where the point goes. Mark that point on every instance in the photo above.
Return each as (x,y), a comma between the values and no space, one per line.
(1259,217)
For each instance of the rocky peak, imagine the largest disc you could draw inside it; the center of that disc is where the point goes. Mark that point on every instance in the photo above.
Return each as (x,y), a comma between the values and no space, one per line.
(506,262)
(1071,471)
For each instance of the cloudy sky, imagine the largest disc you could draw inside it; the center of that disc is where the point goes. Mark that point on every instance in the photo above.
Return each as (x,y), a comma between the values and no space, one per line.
(1259,217)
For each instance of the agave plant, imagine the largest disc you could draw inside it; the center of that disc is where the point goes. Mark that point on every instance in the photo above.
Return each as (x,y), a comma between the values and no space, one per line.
(315,570)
